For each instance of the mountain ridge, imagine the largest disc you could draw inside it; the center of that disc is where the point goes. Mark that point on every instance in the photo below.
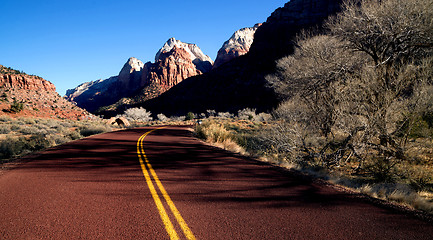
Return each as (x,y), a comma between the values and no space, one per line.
(36,97)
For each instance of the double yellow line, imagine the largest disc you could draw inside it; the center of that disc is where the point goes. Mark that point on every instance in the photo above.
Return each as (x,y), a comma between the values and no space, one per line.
(146,167)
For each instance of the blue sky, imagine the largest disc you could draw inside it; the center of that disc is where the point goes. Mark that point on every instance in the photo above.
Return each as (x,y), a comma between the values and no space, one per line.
(71,42)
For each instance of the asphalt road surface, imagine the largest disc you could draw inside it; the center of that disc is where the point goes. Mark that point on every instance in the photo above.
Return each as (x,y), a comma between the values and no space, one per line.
(162,183)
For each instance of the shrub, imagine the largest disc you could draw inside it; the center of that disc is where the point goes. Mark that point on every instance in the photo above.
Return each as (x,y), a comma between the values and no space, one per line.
(138,114)
(211,113)
(73,135)
(11,147)
(177,118)
(89,130)
(58,139)
(28,130)
(218,135)
(37,142)
(5,118)
(5,129)
(189,116)
(161,117)
(16,107)
(225,115)
(247,114)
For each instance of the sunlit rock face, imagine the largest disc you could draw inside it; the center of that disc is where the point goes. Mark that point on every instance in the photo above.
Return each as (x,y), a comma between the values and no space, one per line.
(239,44)
(202,61)
(174,62)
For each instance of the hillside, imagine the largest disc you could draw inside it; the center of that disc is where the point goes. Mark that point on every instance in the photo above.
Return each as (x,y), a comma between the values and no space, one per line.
(32,96)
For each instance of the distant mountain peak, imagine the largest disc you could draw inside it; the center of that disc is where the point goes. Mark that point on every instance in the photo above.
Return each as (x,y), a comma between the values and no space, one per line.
(238,44)
(203,62)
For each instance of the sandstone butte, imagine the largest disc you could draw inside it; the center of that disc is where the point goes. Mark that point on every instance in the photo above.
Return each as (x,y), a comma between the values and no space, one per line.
(38,96)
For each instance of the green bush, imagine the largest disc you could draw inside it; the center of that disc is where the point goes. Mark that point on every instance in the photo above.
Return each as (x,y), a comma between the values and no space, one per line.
(16,107)
(189,116)
(11,147)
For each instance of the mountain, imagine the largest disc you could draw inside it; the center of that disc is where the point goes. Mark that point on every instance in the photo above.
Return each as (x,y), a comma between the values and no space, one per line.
(137,82)
(37,96)
(239,44)
(202,62)
(240,83)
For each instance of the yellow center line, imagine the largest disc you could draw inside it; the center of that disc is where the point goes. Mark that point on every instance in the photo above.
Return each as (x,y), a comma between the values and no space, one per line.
(165,218)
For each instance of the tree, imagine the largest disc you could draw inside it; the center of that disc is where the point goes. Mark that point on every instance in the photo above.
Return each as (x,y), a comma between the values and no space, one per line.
(389,31)
(364,81)
(312,72)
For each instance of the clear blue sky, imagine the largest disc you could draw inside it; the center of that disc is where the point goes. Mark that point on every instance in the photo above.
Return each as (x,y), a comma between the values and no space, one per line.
(71,42)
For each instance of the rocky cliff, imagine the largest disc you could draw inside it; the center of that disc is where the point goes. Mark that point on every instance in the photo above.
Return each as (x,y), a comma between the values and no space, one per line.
(239,44)
(274,39)
(241,83)
(194,54)
(137,82)
(37,96)
(10,78)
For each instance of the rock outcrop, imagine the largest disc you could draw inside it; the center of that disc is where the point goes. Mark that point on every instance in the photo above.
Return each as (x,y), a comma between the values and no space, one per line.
(240,83)
(130,75)
(239,44)
(200,60)
(37,96)
(274,39)
(10,78)
(137,82)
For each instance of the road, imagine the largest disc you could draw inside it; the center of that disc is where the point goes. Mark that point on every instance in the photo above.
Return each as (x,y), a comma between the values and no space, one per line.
(151,183)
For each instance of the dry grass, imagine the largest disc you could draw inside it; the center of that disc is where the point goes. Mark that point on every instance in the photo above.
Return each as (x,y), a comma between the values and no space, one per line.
(21,136)
(413,178)
(216,134)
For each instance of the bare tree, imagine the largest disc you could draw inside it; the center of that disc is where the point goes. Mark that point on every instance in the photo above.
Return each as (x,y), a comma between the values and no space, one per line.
(312,72)
(366,82)
(388,31)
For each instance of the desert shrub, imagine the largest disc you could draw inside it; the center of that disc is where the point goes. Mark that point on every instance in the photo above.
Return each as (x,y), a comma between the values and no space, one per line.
(216,134)
(190,116)
(88,130)
(263,117)
(27,120)
(177,118)
(14,147)
(74,135)
(28,130)
(138,114)
(247,114)
(161,117)
(225,115)
(15,126)
(212,131)
(16,107)
(37,142)
(5,118)
(11,147)
(5,129)
(58,139)
(211,113)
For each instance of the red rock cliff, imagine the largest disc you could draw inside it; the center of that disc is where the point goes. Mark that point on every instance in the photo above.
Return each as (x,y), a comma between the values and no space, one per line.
(26,82)
(174,67)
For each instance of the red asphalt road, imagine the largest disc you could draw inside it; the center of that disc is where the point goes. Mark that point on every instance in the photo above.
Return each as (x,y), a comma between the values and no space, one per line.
(95,189)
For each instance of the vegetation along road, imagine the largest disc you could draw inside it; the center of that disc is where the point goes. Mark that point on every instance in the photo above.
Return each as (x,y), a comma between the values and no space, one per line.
(161,183)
